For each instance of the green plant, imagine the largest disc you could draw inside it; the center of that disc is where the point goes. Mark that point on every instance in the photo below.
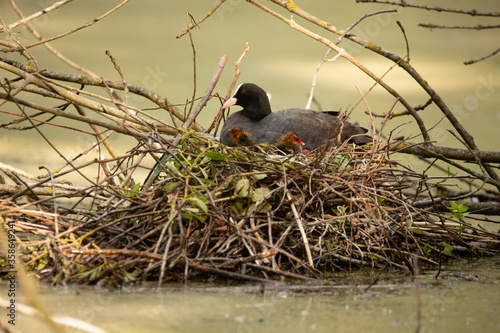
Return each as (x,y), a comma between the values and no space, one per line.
(340,211)
(447,249)
(458,211)
(427,250)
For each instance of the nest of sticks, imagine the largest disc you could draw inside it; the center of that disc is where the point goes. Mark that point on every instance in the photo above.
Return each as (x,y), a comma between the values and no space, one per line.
(240,213)
(208,210)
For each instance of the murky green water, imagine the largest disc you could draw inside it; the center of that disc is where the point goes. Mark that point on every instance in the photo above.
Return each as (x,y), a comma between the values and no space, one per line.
(466,298)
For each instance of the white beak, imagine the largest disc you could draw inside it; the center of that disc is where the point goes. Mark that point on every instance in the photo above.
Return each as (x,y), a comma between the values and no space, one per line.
(229,102)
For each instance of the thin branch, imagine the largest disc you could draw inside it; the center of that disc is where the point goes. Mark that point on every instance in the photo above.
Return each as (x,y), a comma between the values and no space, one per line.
(298,219)
(188,16)
(202,19)
(204,99)
(216,121)
(49,46)
(470,62)
(83,119)
(119,70)
(90,81)
(34,16)
(192,117)
(392,114)
(400,25)
(86,25)
(476,27)
(471,12)
(315,77)
(448,155)
(327,53)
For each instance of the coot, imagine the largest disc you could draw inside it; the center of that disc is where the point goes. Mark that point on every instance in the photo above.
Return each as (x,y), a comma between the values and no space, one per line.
(290,143)
(239,137)
(314,128)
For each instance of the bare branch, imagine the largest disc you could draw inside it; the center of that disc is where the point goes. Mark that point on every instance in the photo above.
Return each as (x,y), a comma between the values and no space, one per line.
(327,53)
(50,47)
(202,19)
(476,27)
(471,12)
(470,62)
(34,16)
(204,99)
(217,118)
(86,25)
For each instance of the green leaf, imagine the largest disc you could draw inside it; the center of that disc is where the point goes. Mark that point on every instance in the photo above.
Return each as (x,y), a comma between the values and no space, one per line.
(242,188)
(215,156)
(259,176)
(260,193)
(237,207)
(198,217)
(41,265)
(136,188)
(418,232)
(172,168)
(340,211)
(427,249)
(189,213)
(264,207)
(198,201)
(170,186)
(205,174)
(204,160)
(459,210)
(341,162)
(447,249)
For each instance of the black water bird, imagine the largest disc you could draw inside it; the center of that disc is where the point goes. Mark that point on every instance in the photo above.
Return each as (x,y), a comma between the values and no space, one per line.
(315,129)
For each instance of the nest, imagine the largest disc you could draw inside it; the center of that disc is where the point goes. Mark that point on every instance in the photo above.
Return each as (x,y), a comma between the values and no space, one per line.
(241,213)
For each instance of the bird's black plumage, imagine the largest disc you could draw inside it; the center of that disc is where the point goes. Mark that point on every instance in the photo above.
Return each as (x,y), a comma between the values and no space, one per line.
(315,129)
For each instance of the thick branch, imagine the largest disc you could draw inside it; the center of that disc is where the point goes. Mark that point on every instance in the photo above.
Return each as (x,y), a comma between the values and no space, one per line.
(428,151)
(485,208)
(475,27)
(204,99)
(471,12)
(452,153)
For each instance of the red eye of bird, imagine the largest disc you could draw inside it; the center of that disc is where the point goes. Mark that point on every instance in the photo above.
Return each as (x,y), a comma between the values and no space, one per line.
(242,91)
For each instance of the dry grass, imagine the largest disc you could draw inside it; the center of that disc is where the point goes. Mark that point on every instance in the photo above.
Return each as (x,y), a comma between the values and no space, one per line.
(240,213)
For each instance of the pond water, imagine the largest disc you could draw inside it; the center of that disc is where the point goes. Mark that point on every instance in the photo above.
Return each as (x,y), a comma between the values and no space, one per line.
(465,298)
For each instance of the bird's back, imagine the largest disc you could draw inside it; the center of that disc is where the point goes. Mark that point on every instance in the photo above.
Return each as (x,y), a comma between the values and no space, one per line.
(315,129)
